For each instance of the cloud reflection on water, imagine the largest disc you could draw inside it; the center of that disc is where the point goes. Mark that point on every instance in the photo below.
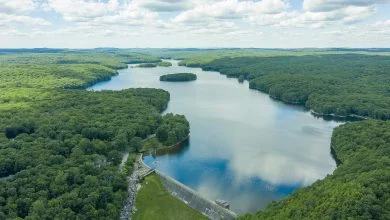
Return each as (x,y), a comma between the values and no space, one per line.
(244,147)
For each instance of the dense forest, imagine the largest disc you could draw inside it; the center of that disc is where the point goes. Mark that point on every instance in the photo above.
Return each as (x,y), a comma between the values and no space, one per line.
(60,156)
(193,57)
(358,189)
(147,65)
(151,65)
(60,147)
(347,84)
(164,64)
(178,77)
(173,129)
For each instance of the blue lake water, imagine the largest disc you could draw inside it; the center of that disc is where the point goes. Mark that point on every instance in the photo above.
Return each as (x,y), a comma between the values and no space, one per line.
(244,147)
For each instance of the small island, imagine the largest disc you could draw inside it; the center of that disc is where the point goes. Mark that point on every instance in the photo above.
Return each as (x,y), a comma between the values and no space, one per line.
(164,64)
(147,65)
(152,65)
(178,77)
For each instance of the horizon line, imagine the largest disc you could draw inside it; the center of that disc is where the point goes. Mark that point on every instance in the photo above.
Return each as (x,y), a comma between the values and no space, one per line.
(124,48)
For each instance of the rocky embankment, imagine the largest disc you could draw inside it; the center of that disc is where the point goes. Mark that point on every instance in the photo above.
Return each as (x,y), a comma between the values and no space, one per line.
(129,206)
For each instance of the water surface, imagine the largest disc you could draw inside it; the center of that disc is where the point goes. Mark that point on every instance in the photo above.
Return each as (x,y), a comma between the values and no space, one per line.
(244,147)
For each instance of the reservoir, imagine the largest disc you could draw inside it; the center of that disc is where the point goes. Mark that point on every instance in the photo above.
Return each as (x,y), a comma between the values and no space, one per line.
(244,147)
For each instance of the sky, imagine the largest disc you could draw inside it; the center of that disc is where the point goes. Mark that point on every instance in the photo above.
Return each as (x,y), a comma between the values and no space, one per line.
(194,23)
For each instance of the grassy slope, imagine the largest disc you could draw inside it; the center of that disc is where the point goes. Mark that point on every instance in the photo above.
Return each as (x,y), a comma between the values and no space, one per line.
(154,202)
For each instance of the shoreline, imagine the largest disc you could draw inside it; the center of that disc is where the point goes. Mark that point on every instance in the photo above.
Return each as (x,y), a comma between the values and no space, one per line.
(338,116)
(190,197)
(167,150)
(323,115)
(128,207)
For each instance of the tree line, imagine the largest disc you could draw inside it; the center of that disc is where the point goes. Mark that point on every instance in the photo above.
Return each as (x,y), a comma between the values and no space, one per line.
(346,84)
(342,84)
(358,189)
(178,77)
(60,146)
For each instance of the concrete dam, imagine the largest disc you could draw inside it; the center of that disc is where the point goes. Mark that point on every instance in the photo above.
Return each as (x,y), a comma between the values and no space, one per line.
(192,198)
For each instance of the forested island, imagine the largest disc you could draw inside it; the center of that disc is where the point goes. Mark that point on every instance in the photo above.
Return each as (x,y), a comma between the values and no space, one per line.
(178,77)
(164,64)
(147,65)
(151,65)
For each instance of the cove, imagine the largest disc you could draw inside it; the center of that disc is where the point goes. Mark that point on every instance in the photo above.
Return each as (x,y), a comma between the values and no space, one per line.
(244,147)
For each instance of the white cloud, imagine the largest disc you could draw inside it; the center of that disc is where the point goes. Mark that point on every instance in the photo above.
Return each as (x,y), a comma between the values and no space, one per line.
(230,9)
(382,24)
(82,10)
(366,35)
(7,19)
(329,5)
(164,5)
(272,167)
(16,6)
(202,22)
(129,15)
(348,15)
(314,19)
(276,13)
(356,14)
(319,14)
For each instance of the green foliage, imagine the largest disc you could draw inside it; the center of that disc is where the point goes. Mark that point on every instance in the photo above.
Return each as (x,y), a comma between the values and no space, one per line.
(173,129)
(342,84)
(154,202)
(151,144)
(156,64)
(128,167)
(53,75)
(241,78)
(114,59)
(178,77)
(74,131)
(136,144)
(147,65)
(197,57)
(164,64)
(348,84)
(358,189)
(70,69)
(60,149)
